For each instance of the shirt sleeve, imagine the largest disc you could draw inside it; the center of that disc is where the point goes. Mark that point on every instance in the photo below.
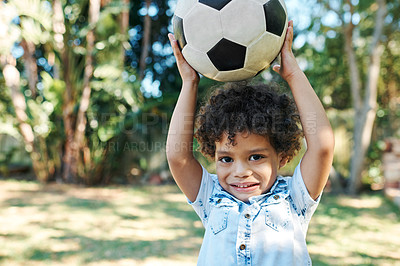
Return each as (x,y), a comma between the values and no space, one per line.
(201,205)
(303,204)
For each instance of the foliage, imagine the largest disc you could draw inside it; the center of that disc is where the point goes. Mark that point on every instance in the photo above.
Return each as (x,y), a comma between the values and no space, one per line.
(116,90)
(326,66)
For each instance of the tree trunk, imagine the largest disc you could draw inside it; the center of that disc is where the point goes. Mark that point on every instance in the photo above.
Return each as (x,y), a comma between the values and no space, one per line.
(59,30)
(79,138)
(145,42)
(124,22)
(12,78)
(68,117)
(68,96)
(365,112)
(44,168)
(30,65)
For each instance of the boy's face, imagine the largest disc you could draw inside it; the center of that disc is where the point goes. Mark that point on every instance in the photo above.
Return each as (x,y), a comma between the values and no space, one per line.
(248,168)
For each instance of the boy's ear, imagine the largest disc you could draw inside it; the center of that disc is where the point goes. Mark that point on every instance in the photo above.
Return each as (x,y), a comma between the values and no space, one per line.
(283,159)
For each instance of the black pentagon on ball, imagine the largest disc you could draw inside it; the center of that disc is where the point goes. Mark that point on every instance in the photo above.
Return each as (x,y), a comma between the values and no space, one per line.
(275,17)
(217,4)
(178,31)
(227,55)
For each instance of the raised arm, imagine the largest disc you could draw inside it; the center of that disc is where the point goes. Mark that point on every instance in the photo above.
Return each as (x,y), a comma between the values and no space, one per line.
(185,169)
(317,161)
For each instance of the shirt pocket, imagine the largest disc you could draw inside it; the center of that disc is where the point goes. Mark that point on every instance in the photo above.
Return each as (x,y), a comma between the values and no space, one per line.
(218,220)
(277,214)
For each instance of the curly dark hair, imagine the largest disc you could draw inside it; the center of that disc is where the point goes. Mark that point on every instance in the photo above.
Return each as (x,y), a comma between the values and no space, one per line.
(258,109)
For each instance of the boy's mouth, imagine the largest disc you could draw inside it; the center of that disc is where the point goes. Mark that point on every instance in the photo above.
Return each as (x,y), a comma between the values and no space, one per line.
(244,185)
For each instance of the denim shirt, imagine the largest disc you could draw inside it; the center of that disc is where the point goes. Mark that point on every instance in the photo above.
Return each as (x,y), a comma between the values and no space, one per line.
(269,230)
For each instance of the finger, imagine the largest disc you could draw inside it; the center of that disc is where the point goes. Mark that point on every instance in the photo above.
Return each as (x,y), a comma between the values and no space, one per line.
(173,41)
(289,37)
(290,31)
(276,68)
(175,47)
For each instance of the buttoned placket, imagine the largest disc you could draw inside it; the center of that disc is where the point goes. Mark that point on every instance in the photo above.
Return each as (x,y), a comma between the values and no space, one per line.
(244,234)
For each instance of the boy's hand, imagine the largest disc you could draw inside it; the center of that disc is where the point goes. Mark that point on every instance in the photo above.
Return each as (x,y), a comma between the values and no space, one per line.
(188,74)
(289,66)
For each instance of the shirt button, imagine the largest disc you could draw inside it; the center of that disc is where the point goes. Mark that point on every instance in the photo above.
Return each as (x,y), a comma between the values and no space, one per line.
(247,216)
(276,197)
(242,247)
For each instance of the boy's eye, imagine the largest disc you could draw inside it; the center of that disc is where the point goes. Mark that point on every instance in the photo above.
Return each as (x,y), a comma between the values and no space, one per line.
(256,157)
(226,159)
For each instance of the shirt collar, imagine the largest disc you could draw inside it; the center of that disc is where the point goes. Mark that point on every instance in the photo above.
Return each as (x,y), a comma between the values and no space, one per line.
(279,187)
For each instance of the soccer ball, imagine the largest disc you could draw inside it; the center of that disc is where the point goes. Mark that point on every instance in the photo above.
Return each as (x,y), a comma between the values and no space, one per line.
(230,40)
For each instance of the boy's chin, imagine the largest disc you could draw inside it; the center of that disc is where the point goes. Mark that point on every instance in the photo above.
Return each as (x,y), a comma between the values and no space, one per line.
(245,198)
(244,194)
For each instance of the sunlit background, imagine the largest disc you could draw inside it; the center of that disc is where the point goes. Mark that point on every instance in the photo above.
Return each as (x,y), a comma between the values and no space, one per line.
(87,89)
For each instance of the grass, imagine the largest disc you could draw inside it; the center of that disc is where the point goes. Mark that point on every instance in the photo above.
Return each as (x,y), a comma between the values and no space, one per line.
(69,225)
(355,231)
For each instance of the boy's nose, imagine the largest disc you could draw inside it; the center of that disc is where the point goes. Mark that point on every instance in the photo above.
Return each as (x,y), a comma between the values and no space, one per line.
(242,170)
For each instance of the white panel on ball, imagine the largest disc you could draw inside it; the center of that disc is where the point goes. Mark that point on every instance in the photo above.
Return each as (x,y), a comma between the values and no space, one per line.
(184,7)
(266,47)
(233,16)
(199,61)
(261,1)
(202,27)
(235,75)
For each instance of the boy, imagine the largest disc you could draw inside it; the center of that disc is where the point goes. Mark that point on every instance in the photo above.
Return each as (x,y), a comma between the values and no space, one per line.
(251,215)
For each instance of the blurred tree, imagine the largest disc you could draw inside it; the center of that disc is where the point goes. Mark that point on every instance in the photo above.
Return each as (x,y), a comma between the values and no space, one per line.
(365,107)
(97,82)
(76,143)
(22,22)
(346,56)
(68,48)
(92,58)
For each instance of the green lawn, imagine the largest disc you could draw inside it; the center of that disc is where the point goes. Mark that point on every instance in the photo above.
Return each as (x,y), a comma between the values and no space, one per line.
(68,225)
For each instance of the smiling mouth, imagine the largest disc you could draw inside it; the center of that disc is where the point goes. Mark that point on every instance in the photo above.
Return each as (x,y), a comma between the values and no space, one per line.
(244,185)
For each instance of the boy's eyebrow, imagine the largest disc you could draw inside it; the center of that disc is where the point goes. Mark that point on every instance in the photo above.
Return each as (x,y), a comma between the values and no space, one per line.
(259,150)
(222,152)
